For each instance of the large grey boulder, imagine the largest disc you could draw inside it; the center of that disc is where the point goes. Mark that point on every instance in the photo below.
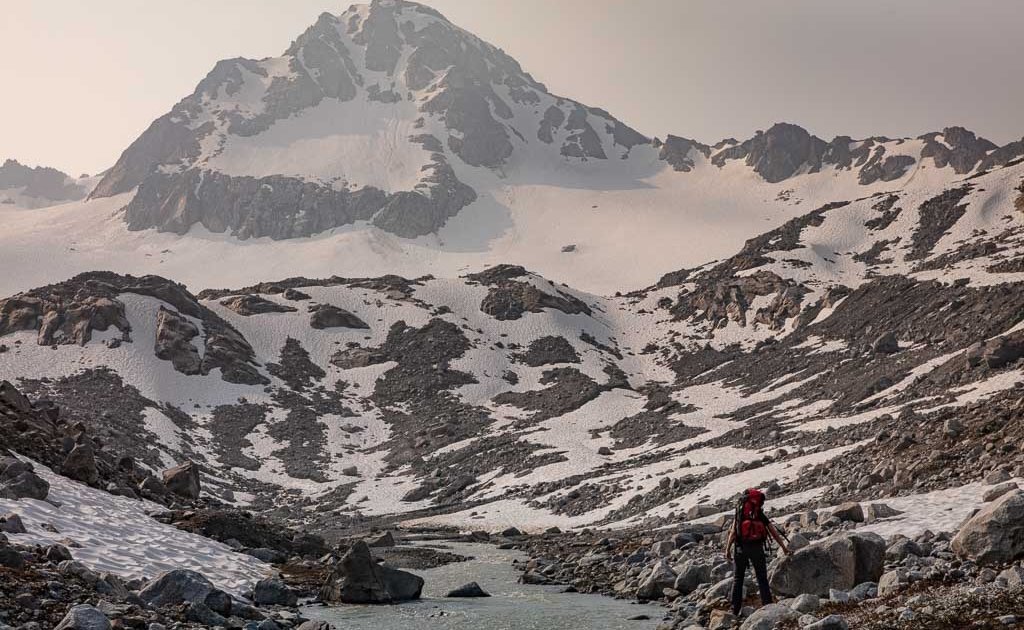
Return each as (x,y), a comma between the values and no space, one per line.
(358,579)
(840,562)
(84,617)
(80,464)
(767,617)
(660,578)
(893,581)
(273,592)
(691,575)
(185,586)
(849,512)
(183,480)
(995,535)
(468,590)
(18,480)
(999,490)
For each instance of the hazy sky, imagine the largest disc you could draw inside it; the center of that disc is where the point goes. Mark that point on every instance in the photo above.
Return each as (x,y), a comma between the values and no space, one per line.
(83,79)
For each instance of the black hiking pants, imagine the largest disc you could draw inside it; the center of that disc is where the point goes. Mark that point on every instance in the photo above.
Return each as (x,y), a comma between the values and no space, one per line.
(749,554)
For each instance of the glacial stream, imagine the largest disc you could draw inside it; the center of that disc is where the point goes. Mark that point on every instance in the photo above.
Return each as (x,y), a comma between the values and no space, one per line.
(512,606)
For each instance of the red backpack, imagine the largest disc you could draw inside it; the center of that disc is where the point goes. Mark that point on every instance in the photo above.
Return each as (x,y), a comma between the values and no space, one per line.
(750,525)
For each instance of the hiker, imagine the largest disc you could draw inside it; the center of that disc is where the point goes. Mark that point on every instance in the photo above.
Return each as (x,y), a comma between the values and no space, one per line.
(749,533)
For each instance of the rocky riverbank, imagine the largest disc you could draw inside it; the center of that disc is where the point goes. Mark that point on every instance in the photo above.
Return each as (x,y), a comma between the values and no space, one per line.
(839,575)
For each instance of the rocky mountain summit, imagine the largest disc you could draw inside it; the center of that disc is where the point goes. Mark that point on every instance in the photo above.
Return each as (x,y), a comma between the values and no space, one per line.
(389,114)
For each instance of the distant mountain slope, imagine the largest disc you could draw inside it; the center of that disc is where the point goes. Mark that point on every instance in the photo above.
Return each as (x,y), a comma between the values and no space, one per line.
(27,187)
(863,349)
(389,115)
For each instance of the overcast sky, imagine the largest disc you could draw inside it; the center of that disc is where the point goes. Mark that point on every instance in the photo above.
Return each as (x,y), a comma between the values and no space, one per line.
(83,79)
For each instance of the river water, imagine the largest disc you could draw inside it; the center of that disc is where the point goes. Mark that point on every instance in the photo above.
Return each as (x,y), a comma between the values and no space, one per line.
(511,606)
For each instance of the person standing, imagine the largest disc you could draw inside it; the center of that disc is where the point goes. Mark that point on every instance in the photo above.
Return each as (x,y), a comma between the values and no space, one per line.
(749,536)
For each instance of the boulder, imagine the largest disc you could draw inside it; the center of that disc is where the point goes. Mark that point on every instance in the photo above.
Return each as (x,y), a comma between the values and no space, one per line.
(886,343)
(1014,576)
(901,549)
(660,578)
(999,490)
(893,581)
(767,617)
(11,558)
(273,592)
(691,575)
(358,579)
(84,617)
(663,548)
(204,615)
(18,480)
(183,480)
(185,586)
(10,523)
(511,532)
(700,511)
(387,539)
(80,464)
(832,622)
(849,512)
(315,624)
(840,561)
(806,603)
(721,620)
(995,535)
(468,590)
(876,511)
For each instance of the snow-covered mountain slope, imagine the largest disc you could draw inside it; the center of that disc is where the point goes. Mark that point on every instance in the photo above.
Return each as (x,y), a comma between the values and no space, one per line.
(388,140)
(862,349)
(24,187)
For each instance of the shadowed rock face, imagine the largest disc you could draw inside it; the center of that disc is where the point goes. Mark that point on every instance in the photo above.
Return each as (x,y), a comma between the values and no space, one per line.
(68,312)
(42,182)
(676,151)
(358,579)
(960,149)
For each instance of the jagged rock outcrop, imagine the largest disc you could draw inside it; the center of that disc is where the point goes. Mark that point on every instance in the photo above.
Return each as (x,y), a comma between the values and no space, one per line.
(44,185)
(68,312)
(183,480)
(174,335)
(676,151)
(358,579)
(510,298)
(59,322)
(255,305)
(80,464)
(330,316)
(18,480)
